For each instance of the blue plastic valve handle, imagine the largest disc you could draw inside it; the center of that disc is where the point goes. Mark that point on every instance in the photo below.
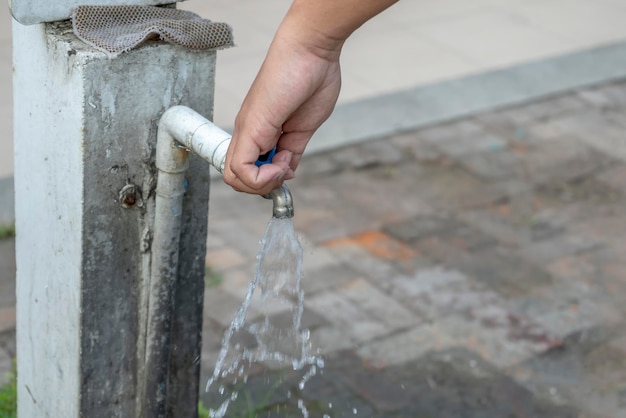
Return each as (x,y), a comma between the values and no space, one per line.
(266,158)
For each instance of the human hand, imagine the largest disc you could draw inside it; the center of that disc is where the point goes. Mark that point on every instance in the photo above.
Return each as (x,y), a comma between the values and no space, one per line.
(294,92)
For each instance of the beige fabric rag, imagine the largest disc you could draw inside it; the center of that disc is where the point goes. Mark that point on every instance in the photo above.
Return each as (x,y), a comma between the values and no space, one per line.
(117,29)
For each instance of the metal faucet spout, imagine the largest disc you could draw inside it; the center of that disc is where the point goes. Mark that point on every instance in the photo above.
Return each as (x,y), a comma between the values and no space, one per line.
(283,202)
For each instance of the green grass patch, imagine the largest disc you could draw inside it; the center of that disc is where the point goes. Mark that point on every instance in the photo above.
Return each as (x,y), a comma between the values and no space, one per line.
(211,279)
(203,411)
(8,396)
(7,231)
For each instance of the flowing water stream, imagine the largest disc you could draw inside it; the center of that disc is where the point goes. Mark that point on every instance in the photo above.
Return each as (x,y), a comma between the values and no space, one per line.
(248,341)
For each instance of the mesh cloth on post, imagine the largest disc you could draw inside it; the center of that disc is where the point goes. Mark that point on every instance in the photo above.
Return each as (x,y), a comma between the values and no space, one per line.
(117,29)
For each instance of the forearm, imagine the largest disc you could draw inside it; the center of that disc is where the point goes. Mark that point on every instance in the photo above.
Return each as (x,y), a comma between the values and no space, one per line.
(326,24)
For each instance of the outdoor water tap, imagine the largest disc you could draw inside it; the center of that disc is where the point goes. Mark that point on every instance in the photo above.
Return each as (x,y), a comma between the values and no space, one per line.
(283,203)
(181,129)
(281,196)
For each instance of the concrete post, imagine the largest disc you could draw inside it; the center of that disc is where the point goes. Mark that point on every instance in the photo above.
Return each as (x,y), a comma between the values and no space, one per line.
(85,132)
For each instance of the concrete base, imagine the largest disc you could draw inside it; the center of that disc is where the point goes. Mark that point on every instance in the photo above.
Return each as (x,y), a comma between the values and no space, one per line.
(85,129)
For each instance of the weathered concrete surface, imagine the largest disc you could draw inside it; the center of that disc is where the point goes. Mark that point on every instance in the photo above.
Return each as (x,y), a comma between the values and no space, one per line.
(85,128)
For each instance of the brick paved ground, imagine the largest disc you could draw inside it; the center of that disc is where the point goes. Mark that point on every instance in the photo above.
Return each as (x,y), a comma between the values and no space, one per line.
(471,269)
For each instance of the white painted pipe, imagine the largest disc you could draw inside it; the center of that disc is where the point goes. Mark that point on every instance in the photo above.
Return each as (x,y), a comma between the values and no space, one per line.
(181,125)
(180,130)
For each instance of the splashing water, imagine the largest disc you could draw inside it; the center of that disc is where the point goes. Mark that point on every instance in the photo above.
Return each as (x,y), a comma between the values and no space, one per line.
(278,276)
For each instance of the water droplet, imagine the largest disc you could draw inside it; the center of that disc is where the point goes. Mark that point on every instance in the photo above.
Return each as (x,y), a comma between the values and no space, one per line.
(354,411)
(302,407)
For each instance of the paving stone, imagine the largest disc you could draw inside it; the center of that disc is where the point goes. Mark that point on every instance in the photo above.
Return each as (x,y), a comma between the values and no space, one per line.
(505,273)
(386,194)
(333,395)
(453,187)
(542,252)
(357,325)
(569,306)
(506,234)
(224,258)
(559,160)
(438,292)
(498,335)
(377,243)
(328,217)
(369,154)
(460,138)
(7,319)
(221,307)
(494,333)
(615,178)
(418,148)
(372,386)
(406,346)
(359,259)
(520,117)
(546,224)
(331,338)
(499,270)
(237,234)
(576,269)
(315,258)
(328,278)
(378,305)
(457,383)
(235,281)
(8,343)
(606,96)
(421,226)
(313,166)
(214,242)
(466,238)
(309,320)
(493,164)
(575,373)
(593,128)
(364,312)
(619,343)
(523,219)
(591,195)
